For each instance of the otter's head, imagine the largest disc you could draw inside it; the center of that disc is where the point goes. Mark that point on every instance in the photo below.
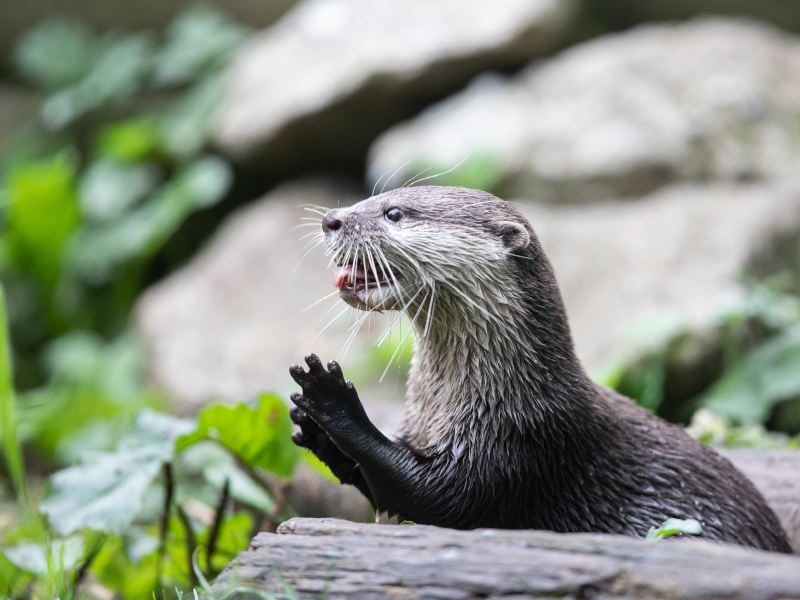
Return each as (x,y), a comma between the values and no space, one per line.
(405,249)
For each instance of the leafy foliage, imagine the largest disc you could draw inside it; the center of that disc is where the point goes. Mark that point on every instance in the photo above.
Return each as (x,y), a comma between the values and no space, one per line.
(750,360)
(93,193)
(674,527)
(256,435)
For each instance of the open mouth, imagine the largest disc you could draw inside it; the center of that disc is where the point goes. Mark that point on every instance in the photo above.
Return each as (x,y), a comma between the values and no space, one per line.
(358,283)
(357,277)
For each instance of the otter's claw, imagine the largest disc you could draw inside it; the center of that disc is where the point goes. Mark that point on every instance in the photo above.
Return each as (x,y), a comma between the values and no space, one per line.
(312,437)
(327,398)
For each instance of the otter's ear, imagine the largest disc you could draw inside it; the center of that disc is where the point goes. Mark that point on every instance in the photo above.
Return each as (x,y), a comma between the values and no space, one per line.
(515,237)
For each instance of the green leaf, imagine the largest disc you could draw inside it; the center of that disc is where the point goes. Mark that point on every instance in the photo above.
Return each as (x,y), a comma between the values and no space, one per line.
(43,212)
(200,39)
(119,69)
(8,413)
(55,54)
(130,141)
(131,579)
(32,558)
(747,391)
(673,527)
(107,492)
(260,436)
(97,252)
(109,188)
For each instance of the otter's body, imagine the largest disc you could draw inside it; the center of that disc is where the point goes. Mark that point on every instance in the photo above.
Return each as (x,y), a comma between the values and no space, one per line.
(503,428)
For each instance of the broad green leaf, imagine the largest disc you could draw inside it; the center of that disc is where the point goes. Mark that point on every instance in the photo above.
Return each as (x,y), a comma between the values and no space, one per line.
(109,188)
(132,580)
(119,69)
(130,141)
(107,492)
(260,436)
(8,413)
(94,394)
(32,558)
(187,128)
(747,392)
(200,39)
(42,213)
(673,527)
(55,54)
(98,251)
(211,464)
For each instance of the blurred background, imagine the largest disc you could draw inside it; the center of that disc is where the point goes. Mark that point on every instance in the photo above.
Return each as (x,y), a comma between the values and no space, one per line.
(163,166)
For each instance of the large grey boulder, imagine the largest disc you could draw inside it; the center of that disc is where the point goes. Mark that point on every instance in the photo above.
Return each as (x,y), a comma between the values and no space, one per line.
(621,115)
(315,89)
(635,273)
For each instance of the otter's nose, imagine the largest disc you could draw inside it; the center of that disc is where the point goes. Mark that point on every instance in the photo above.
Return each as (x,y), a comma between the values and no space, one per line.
(330,223)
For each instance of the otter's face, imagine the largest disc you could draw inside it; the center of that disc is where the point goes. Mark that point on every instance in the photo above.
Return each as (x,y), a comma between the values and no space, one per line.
(403,248)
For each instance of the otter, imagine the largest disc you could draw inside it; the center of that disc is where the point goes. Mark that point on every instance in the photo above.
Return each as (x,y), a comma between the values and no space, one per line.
(503,427)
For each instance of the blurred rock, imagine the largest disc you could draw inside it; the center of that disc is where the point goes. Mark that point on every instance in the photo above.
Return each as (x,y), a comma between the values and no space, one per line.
(633,273)
(622,14)
(712,99)
(20,15)
(228,325)
(314,90)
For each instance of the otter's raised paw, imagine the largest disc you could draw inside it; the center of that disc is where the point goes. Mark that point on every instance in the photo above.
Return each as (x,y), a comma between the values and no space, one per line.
(313,438)
(331,401)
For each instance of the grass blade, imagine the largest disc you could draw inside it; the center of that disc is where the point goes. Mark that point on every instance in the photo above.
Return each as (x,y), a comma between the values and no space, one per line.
(8,416)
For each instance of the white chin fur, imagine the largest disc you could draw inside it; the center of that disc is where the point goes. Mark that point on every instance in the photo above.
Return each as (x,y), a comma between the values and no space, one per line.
(380,299)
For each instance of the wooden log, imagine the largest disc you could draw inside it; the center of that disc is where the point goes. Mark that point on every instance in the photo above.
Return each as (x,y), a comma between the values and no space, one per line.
(361,561)
(366,562)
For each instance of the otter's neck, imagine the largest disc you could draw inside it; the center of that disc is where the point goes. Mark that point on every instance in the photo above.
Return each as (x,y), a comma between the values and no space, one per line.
(496,356)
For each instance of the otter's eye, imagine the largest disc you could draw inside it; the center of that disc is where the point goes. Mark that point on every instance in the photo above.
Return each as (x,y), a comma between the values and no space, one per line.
(393,215)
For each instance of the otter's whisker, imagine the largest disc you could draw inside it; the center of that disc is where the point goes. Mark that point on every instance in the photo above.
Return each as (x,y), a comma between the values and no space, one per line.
(317,211)
(442,173)
(415,176)
(303,225)
(396,172)
(320,300)
(379,180)
(397,317)
(430,309)
(402,342)
(336,318)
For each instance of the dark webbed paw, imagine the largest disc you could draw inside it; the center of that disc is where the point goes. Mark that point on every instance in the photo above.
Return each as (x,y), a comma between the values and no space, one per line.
(312,437)
(327,398)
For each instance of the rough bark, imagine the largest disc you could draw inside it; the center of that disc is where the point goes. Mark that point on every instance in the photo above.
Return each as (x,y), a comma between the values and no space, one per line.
(365,562)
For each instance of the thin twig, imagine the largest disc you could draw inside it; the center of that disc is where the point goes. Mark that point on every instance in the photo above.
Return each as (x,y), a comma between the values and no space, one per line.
(169,488)
(191,543)
(215,527)
(80,574)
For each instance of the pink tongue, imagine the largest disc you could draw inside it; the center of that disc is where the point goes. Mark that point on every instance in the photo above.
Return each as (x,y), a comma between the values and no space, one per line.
(341,275)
